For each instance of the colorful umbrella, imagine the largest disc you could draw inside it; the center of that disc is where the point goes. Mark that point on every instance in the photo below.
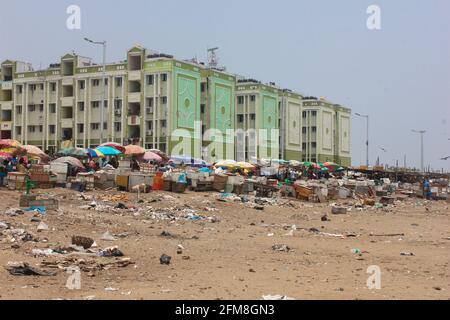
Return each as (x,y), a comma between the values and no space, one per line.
(226,163)
(244,165)
(8,143)
(133,149)
(108,151)
(69,160)
(5,155)
(152,156)
(33,150)
(295,163)
(163,155)
(94,153)
(114,145)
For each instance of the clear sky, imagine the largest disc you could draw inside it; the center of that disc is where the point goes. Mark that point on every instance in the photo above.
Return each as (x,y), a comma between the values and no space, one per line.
(400,75)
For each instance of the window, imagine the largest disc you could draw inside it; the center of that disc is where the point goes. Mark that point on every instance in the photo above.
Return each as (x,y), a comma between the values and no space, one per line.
(106,81)
(41,86)
(95,104)
(252,98)
(314,113)
(32,87)
(240,118)
(202,108)
(19,89)
(95,83)
(202,87)
(105,125)
(304,145)
(80,128)
(117,126)
(52,107)
(150,79)
(95,126)
(164,100)
(252,116)
(164,77)
(163,123)
(19,109)
(304,114)
(304,130)
(81,106)
(41,108)
(149,102)
(313,145)
(240,99)
(81,84)
(313,129)
(31,129)
(18,130)
(41,128)
(51,129)
(117,104)
(105,103)
(118,82)
(31,108)
(53,86)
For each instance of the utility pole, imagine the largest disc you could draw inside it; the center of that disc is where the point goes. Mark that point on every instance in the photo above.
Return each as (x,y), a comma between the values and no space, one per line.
(367,135)
(102,105)
(422,132)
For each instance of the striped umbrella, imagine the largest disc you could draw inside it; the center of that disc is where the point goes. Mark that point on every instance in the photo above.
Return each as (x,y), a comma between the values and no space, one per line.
(114,145)
(94,153)
(133,149)
(8,143)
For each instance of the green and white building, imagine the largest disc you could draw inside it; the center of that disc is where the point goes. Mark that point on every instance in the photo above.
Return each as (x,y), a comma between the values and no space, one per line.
(180,107)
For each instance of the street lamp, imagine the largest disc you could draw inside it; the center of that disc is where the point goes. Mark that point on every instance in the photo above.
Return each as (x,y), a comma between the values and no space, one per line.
(367,134)
(422,132)
(102,105)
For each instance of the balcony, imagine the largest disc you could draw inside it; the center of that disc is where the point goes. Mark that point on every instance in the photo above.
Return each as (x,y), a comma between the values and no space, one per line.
(134,120)
(134,75)
(6,105)
(7,85)
(66,123)
(6,125)
(67,81)
(67,101)
(134,97)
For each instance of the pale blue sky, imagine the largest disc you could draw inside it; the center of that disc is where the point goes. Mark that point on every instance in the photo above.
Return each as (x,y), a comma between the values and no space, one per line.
(400,75)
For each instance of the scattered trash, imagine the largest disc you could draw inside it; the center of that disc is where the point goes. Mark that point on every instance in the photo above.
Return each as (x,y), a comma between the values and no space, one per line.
(111,252)
(111,289)
(355,251)
(281,247)
(165,259)
(406,254)
(107,236)
(12,212)
(84,242)
(42,226)
(24,269)
(120,205)
(338,210)
(324,218)
(4,225)
(38,209)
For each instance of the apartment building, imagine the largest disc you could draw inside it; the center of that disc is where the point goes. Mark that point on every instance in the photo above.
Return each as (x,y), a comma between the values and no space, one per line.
(158,101)
(325,132)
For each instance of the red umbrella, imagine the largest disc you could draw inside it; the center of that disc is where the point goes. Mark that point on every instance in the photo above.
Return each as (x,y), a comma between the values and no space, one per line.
(114,145)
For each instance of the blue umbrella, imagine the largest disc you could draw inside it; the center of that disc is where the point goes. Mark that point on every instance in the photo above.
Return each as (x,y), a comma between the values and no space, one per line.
(108,151)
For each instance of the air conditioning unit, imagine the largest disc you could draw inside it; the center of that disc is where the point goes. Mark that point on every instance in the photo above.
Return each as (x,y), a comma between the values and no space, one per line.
(149,109)
(149,132)
(117,113)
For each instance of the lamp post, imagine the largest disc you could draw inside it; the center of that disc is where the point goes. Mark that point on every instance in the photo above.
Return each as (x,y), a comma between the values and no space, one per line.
(367,135)
(422,132)
(102,105)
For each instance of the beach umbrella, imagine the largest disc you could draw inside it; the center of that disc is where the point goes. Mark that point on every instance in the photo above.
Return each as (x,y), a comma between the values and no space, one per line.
(5,155)
(152,156)
(94,153)
(226,163)
(133,149)
(244,165)
(295,163)
(108,151)
(163,155)
(33,150)
(114,145)
(8,143)
(73,152)
(69,160)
